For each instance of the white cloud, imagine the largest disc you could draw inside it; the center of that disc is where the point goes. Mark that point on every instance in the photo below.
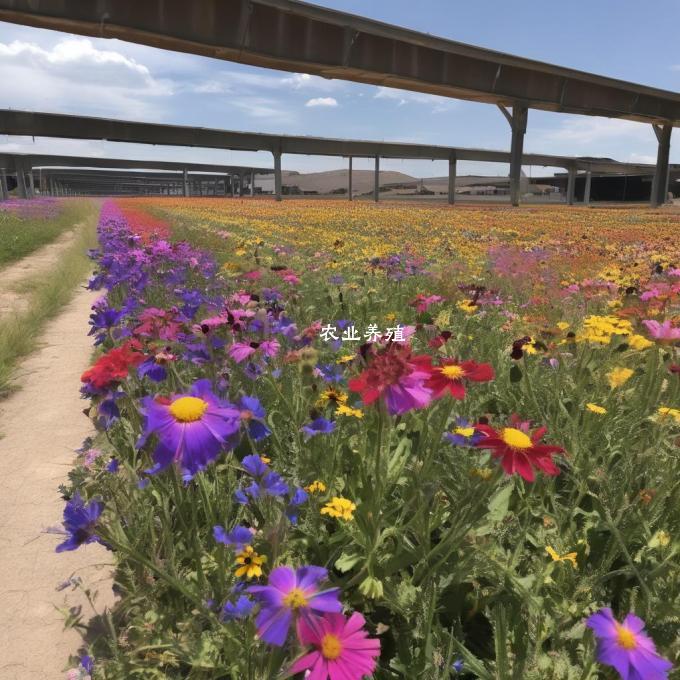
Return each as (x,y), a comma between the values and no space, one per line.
(402,97)
(322,101)
(75,75)
(300,81)
(587,130)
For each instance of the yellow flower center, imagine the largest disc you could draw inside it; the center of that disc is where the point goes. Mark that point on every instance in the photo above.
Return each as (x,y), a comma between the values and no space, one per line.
(516,438)
(188,409)
(465,431)
(295,599)
(452,372)
(331,647)
(625,638)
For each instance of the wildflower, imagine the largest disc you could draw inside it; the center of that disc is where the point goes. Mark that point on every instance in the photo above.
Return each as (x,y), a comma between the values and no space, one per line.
(450,376)
(345,358)
(567,557)
(318,426)
(661,538)
(340,508)
(79,522)
(594,408)
(112,367)
(626,647)
(252,416)
(639,342)
(662,332)
(250,563)
(291,593)
(398,377)
(666,413)
(240,351)
(235,611)
(316,486)
(467,306)
(484,473)
(192,428)
(618,376)
(342,649)
(331,396)
(344,410)
(520,450)
(563,325)
(238,537)
(464,434)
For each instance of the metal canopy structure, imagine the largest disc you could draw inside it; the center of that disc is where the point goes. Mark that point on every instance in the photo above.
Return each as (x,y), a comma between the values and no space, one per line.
(59,174)
(295,36)
(84,127)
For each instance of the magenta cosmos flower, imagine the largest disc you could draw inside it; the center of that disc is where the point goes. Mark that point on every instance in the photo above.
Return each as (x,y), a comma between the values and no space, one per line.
(291,592)
(240,351)
(192,428)
(663,332)
(342,648)
(626,647)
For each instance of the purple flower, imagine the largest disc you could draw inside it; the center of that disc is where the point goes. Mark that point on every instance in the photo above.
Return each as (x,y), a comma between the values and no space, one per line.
(464,434)
(152,370)
(318,426)
(79,522)
(252,415)
(254,465)
(240,609)
(298,498)
(112,466)
(291,593)
(237,538)
(192,428)
(626,647)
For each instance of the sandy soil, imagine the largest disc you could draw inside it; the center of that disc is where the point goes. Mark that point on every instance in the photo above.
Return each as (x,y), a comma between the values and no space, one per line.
(42,424)
(37,262)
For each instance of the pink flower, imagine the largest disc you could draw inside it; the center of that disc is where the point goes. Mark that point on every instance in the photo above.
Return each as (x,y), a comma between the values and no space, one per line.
(663,332)
(342,648)
(240,351)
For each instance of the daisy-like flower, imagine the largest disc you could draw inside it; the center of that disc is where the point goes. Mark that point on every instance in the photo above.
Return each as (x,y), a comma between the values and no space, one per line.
(240,351)
(340,508)
(344,410)
(626,647)
(291,593)
(464,434)
(397,376)
(519,450)
(450,377)
(249,563)
(662,332)
(618,376)
(341,648)
(567,557)
(192,428)
(317,486)
(318,426)
(668,413)
(594,408)
(80,519)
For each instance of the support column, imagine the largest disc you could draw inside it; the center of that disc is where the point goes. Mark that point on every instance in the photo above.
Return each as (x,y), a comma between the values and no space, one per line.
(185,182)
(233,186)
(252,182)
(659,191)
(240,183)
(571,186)
(518,125)
(452,179)
(277,175)
(349,180)
(31,184)
(21,179)
(4,189)
(376,180)
(586,191)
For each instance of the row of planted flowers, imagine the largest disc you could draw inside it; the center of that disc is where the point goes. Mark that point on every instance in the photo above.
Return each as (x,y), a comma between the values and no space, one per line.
(279,505)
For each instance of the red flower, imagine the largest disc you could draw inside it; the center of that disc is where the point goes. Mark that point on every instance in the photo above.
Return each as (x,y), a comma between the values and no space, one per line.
(519,450)
(398,377)
(450,376)
(113,366)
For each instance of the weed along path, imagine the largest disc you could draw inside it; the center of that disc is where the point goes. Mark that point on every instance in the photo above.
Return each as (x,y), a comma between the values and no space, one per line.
(15,277)
(40,426)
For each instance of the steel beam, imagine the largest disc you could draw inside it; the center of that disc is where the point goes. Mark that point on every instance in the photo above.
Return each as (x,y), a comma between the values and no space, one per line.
(571,186)
(452,180)
(586,191)
(277,175)
(376,180)
(659,191)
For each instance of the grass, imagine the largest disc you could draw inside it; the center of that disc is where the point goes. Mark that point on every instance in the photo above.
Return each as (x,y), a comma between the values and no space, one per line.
(20,236)
(49,291)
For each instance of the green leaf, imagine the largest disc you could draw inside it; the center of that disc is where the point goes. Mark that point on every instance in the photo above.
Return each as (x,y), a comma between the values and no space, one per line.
(346,562)
(515,374)
(499,503)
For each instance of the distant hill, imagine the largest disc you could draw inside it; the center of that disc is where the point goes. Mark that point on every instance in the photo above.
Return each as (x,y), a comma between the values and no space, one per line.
(335,180)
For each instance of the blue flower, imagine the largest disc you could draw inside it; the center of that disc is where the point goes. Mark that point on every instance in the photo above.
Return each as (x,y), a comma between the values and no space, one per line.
(233,611)
(464,434)
(457,665)
(331,372)
(318,426)
(152,370)
(237,538)
(299,497)
(79,522)
(112,466)
(254,465)
(253,414)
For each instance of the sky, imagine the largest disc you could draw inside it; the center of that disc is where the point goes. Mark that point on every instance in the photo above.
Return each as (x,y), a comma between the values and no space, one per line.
(50,71)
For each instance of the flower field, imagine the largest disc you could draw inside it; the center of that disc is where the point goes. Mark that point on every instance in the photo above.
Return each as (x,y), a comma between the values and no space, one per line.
(351,441)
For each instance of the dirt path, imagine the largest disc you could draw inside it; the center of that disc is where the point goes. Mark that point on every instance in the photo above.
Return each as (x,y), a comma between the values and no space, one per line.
(42,424)
(17,273)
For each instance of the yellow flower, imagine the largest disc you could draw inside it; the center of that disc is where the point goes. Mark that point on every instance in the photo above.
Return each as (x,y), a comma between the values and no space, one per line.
(331,395)
(239,252)
(661,538)
(483,473)
(666,412)
(467,306)
(639,342)
(341,508)
(344,410)
(345,358)
(317,486)
(391,316)
(594,408)
(563,325)
(567,557)
(618,376)
(250,563)
(266,459)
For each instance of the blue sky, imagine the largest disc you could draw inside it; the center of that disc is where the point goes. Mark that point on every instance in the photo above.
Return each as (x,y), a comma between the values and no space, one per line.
(50,71)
